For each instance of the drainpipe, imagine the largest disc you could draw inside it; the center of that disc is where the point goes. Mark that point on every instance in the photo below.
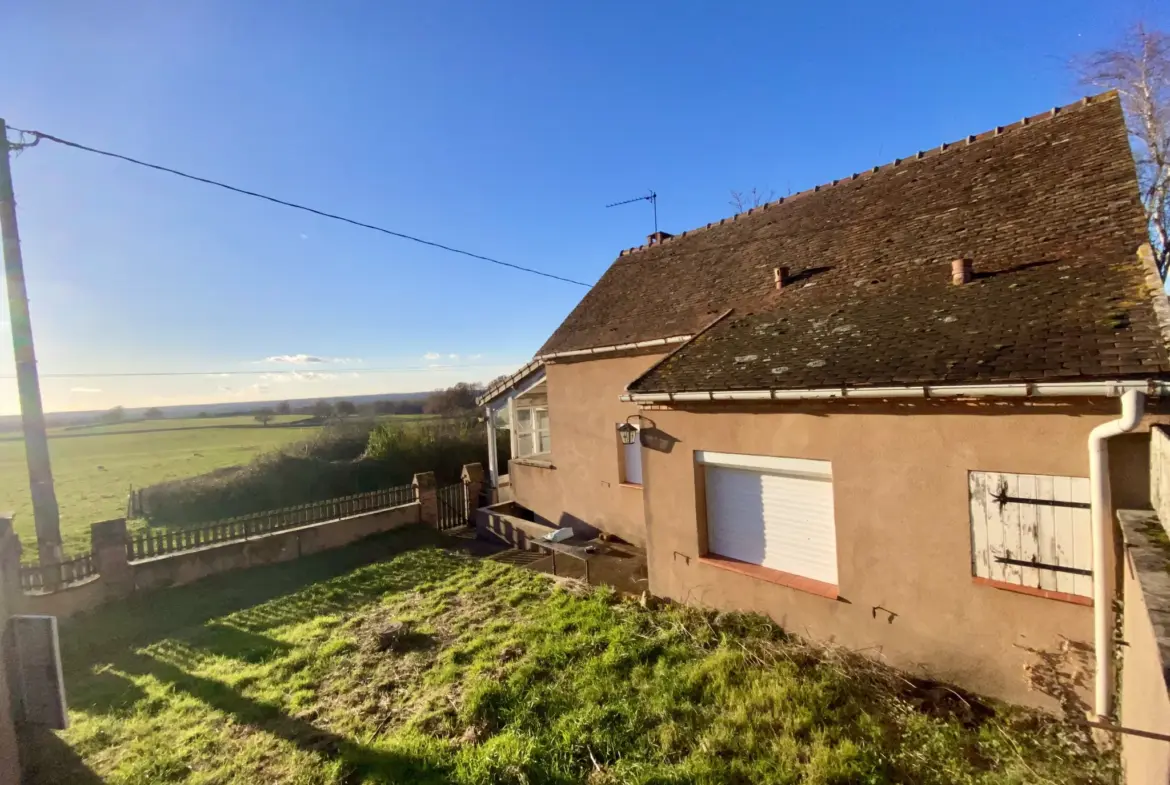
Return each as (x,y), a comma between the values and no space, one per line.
(1133,403)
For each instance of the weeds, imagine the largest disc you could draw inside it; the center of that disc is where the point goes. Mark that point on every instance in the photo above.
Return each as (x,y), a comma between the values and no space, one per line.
(430,667)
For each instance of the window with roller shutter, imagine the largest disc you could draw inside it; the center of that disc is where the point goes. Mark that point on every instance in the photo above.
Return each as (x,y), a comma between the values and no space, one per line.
(773,512)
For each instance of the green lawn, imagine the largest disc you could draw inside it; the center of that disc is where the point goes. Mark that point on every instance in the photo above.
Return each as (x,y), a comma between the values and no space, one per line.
(93,468)
(287,674)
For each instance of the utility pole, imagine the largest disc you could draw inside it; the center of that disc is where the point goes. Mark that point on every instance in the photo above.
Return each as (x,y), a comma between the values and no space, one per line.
(32,415)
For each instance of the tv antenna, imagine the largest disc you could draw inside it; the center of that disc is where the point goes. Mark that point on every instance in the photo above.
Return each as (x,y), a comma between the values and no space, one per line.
(651,197)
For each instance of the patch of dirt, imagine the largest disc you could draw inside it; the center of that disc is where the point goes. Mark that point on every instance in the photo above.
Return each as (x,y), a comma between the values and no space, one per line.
(398,637)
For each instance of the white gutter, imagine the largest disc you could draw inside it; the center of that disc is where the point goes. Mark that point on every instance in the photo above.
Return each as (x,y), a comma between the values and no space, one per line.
(1111,389)
(1133,404)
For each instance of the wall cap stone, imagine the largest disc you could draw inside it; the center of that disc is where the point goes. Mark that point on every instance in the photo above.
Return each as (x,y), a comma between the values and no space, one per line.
(1148,549)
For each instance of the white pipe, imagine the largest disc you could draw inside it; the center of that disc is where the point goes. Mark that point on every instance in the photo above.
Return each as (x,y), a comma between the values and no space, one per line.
(493,456)
(1133,403)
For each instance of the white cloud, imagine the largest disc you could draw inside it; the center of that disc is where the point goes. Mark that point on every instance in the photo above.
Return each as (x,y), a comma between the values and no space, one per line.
(452,356)
(432,356)
(295,359)
(475,357)
(218,375)
(297,376)
(304,236)
(84,390)
(309,359)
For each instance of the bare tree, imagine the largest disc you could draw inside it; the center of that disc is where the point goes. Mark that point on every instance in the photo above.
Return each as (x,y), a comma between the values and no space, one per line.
(754,198)
(1139,70)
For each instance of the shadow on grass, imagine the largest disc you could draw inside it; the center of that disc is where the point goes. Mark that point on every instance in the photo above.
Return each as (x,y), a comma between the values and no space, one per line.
(322,583)
(362,763)
(168,634)
(47,760)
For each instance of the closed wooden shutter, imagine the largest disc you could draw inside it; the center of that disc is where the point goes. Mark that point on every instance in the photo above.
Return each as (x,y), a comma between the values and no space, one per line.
(777,517)
(1032,530)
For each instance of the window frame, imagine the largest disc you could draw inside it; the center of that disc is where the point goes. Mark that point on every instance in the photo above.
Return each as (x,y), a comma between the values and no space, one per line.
(533,436)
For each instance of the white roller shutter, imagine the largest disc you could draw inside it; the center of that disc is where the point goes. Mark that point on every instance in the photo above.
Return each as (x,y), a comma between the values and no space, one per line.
(774,512)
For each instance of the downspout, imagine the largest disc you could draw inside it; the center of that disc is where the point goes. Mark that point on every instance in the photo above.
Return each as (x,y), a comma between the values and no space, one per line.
(1133,404)
(493,457)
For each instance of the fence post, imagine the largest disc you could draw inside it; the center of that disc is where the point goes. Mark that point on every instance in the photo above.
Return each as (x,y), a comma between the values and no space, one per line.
(108,540)
(426,494)
(472,487)
(10,589)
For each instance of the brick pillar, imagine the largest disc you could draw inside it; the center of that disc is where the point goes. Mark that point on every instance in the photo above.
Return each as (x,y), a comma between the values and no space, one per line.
(427,496)
(472,487)
(108,539)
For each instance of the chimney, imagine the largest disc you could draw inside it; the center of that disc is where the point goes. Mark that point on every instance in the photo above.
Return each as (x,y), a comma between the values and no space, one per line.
(781,276)
(657,238)
(962,271)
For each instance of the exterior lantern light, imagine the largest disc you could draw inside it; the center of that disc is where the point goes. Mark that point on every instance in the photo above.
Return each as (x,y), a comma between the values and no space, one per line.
(627,432)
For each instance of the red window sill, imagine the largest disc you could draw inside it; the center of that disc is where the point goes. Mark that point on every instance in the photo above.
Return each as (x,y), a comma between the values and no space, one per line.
(1047,594)
(798,582)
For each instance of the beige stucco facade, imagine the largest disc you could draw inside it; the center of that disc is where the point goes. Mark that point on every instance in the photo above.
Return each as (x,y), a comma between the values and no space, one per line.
(900,490)
(584,481)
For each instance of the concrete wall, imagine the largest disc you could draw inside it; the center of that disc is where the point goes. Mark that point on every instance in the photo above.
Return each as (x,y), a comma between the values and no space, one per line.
(585,485)
(1145,704)
(9,597)
(1160,472)
(900,490)
(177,569)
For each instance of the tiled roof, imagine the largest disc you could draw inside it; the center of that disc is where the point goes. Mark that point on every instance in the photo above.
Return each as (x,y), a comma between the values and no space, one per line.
(1047,208)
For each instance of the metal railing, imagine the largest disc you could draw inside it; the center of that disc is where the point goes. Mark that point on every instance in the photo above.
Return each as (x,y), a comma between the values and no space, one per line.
(150,544)
(35,577)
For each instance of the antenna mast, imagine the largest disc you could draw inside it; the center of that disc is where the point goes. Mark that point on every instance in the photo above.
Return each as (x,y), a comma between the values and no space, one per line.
(651,197)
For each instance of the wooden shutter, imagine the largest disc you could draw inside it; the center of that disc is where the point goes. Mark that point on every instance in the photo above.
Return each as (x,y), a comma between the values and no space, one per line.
(1032,530)
(774,512)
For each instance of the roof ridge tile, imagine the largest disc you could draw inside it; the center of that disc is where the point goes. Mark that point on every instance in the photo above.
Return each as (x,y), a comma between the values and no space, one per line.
(991,133)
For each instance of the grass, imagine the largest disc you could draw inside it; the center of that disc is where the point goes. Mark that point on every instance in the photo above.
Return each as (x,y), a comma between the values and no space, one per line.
(284,674)
(93,468)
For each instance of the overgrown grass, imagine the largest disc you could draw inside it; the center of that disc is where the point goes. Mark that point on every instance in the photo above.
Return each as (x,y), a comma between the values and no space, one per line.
(283,674)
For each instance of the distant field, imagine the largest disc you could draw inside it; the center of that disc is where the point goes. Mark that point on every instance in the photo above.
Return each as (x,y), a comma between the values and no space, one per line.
(93,468)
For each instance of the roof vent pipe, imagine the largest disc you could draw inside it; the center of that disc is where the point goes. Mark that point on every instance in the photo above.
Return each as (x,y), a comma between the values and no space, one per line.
(781,276)
(962,271)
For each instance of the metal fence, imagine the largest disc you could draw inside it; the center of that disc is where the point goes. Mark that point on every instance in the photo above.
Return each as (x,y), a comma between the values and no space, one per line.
(34,577)
(144,546)
(452,504)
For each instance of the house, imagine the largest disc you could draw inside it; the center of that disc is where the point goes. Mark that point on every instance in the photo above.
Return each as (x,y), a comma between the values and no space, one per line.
(866,409)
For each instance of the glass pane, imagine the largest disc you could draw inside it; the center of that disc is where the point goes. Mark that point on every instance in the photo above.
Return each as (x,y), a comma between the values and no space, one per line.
(524,443)
(542,419)
(523,419)
(543,441)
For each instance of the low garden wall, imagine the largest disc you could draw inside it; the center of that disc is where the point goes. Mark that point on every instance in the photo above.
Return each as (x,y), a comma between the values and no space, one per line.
(115,575)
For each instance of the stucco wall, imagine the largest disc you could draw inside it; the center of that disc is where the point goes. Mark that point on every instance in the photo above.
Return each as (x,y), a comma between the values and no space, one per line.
(585,486)
(1144,701)
(902,521)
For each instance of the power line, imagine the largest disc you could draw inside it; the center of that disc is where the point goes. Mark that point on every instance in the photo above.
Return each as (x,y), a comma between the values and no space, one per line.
(308,374)
(39,135)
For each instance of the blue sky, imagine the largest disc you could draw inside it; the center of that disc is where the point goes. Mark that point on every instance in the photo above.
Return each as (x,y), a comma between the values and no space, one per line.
(503,128)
